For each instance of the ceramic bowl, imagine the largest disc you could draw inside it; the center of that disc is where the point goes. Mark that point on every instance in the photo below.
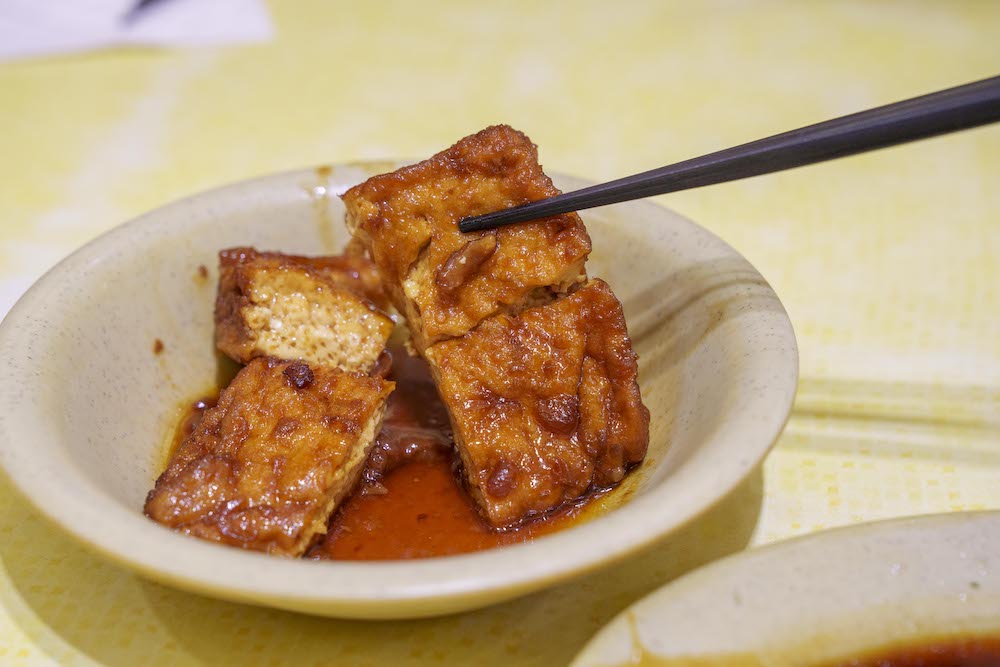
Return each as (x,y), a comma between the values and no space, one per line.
(86,405)
(823,599)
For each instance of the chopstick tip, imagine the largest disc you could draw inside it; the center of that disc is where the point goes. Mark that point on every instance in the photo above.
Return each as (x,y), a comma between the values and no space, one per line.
(473,223)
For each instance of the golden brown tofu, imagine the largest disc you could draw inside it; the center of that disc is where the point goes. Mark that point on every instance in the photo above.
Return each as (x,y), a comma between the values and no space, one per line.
(266,467)
(545,405)
(445,282)
(318,309)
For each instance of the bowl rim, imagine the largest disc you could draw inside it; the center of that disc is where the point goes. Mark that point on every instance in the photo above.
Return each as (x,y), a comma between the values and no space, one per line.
(851,543)
(368,589)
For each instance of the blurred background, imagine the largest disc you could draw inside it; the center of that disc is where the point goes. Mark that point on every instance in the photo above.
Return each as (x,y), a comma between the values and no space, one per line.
(886,262)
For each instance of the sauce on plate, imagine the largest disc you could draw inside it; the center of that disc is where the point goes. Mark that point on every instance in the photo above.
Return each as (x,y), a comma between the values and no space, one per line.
(949,652)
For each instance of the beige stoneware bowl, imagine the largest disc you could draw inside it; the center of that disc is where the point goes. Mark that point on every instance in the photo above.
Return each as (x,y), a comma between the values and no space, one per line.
(832,596)
(87,407)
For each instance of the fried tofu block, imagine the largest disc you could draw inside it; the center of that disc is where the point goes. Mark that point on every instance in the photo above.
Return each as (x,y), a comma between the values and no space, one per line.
(445,282)
(266,467)
(544,405)
(319,309)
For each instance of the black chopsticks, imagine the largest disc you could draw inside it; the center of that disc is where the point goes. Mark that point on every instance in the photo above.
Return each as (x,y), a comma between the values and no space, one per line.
(137,10)
(921,117)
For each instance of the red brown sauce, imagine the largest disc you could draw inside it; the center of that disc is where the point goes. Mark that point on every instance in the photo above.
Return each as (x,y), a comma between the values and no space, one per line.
(424,512)
(415,427)
(949,652)
(410,502)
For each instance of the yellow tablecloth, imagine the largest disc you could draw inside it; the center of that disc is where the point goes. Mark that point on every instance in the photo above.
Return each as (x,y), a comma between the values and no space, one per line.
(886,262)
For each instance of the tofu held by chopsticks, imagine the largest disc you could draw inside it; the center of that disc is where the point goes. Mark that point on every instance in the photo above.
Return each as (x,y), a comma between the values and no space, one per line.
(445,282)
(533,362)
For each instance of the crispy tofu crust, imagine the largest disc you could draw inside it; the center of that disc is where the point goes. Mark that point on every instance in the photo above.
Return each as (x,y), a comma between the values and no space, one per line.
(319,309)
(445,282)
(545,405)
(267,466)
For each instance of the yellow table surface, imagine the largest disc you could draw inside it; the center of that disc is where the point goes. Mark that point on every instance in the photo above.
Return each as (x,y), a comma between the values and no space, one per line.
(887,262)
